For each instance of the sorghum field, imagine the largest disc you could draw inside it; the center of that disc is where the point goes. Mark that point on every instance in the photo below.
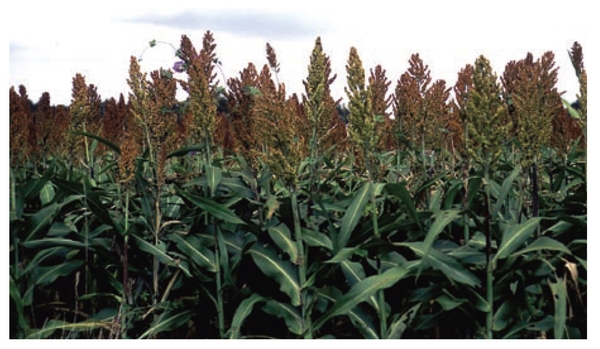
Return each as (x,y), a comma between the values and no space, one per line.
(426,211)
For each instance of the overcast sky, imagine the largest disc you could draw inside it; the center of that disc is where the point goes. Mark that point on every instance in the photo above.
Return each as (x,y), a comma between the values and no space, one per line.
(51,41)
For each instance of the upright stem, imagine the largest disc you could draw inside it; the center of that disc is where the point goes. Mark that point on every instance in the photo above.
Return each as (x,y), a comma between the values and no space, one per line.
(219,282)
(535,189)
(155,263)
(126,290)
(301,263)
(489,323)
(380,294)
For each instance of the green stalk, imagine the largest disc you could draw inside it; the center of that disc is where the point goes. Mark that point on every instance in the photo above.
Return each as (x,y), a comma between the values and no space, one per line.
(380,294)
(301,262)
(207,143)
(156,238)
(535,190)
(13,194)
(125,298)
(489,320)
(220,307)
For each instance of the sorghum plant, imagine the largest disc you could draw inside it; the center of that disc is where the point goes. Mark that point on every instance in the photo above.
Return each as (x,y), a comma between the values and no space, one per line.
(362,123)
(530,88)
(21,126)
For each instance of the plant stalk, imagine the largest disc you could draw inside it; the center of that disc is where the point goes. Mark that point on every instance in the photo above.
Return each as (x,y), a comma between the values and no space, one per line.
(301,263)
(489,320)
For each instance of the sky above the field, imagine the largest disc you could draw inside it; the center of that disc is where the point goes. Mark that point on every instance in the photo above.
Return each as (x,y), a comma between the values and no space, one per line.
(51,41)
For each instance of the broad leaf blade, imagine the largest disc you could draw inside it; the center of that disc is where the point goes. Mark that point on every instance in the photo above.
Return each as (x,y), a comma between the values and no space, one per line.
(192,247)
(399,190)
(55,325)
(361,292)
(284,272)
(316,239)
(398,326)
(213,208)
(353,214)
(559,293)
(363,321)
(355,273)
(242,312)
(282,237)
(289,313)
(453,269)
(168,321)
(544,243)
(515,237)
(442,219)
(159,251)
(213,176)
(46,275)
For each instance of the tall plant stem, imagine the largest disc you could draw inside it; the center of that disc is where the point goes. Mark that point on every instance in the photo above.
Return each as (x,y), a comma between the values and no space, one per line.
(207,144)
(126,291)
(156,240)
(301,263)
(535,191)
(489,320)
(465,217)
(219,282)
(13,194)
(380,294)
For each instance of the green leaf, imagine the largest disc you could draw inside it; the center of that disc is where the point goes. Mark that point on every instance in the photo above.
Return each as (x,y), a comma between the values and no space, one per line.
(55,325)
(42,255)
(186,150)
(398,326)
(514,237)
(503,315)
(47,193)
(449,302)
(544,243)
(168,321)
(41,219)
(474,185)
(353,214)
(505,189)
(241,313)
(159,251)
(284,272)
(453,269)
(237,186)
(359,318)
(173,205)
(442,219)
(213,208)
(399,190)
(282,237)
(289,313)
(559,295)
(361,292)
(192,247)
(104,141)
(316,239)
(355,273)
(343,254)
(92,199)
(15,295)
(213,176)
(60,229)
(572,111)
(50,242)
(46,275)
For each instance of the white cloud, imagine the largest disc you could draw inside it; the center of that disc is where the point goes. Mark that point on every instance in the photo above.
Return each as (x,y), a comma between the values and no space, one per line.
(52,41)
